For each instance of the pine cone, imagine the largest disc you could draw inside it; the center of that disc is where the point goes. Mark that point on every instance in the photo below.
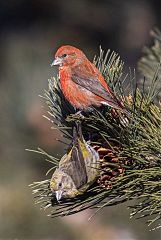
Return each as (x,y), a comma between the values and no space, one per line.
(111,165)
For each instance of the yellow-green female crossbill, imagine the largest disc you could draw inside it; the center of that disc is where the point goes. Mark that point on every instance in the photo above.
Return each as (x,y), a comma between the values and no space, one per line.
(77,170)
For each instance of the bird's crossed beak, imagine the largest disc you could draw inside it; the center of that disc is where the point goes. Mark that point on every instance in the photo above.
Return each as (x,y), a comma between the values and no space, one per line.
(57,61)
(58,195)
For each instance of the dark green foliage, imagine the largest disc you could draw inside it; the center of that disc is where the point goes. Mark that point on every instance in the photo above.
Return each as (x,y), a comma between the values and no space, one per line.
(151,61)
(135,140)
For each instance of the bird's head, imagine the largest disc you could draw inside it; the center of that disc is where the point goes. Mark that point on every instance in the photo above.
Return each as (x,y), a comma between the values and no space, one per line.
(68,56)
(62,185)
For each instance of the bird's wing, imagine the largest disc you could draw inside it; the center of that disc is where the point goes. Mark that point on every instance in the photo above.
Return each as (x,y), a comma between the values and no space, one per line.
(74,165)
(94,85)
(79,175)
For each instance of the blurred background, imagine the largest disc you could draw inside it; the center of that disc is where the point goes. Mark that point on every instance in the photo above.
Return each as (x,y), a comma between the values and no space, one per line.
(30,33)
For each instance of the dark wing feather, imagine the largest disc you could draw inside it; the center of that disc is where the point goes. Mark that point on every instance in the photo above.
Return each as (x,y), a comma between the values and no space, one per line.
(73,163)
(79,174)
(74,166)
(94,85)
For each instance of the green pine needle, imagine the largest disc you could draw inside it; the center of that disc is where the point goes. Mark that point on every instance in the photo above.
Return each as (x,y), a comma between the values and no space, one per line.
(136,141)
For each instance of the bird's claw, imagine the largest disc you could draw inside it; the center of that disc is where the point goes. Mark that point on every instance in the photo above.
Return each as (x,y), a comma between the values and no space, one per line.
(78,116)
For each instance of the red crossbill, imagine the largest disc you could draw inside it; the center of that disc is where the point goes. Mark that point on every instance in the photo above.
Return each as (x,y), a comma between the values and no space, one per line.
(81,82)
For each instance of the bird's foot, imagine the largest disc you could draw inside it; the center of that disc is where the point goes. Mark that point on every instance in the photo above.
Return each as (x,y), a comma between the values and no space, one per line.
(78,116)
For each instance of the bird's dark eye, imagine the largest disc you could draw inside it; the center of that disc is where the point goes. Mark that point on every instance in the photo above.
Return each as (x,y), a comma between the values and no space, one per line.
(60,184)
(64,55)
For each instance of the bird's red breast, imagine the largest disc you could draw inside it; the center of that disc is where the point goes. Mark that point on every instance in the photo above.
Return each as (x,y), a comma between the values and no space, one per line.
(79,97)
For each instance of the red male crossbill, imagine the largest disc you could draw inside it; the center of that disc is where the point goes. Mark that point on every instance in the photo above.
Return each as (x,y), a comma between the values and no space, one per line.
(81,82)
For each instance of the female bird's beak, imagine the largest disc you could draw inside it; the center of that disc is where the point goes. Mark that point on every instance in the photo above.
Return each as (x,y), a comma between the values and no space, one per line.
(57,61)
(58,195)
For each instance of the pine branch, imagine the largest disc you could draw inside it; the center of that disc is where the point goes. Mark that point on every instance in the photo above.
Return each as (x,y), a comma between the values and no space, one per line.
(129,149)
(150,62)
